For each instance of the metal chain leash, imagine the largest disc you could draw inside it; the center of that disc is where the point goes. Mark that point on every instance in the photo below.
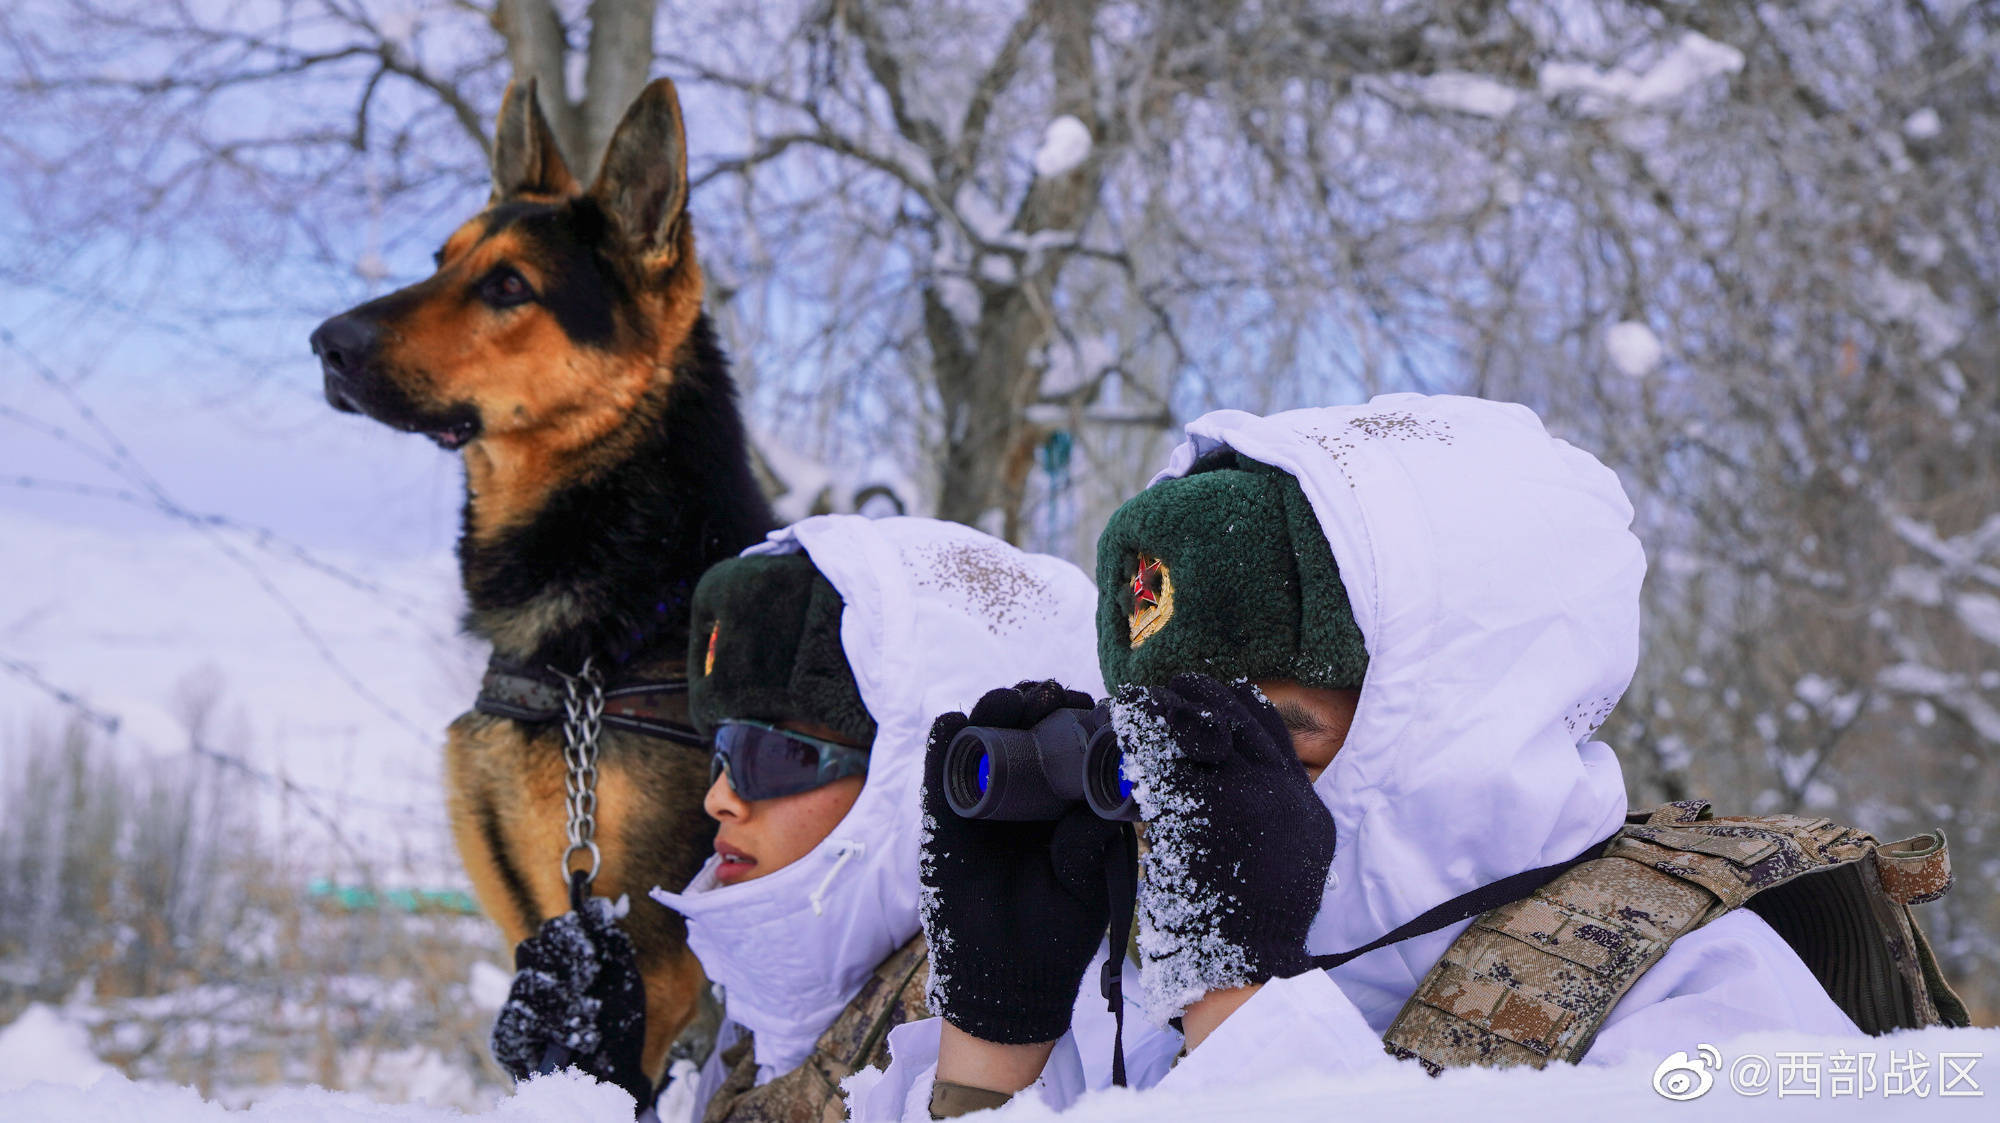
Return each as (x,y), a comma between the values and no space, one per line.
(583,713)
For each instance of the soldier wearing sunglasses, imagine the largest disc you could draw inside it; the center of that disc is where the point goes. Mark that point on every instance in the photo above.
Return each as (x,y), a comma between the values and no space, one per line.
(817,663)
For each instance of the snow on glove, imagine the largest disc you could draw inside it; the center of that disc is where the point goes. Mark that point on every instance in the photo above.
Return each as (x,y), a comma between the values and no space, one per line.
(1012,911)
(577,1001)
(1239,844)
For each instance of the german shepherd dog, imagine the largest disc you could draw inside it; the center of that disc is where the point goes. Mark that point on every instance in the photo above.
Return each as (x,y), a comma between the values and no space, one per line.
(562,350)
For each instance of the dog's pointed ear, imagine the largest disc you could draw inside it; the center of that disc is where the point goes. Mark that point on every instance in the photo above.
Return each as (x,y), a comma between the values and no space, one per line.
(526,160)
(643,184)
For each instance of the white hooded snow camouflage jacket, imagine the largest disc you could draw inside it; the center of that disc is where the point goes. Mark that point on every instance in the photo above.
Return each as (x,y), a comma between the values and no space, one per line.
(1494,576)
(934,614)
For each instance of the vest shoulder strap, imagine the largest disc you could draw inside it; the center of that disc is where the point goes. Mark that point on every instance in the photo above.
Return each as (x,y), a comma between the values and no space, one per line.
(1533,981)
(857,1039)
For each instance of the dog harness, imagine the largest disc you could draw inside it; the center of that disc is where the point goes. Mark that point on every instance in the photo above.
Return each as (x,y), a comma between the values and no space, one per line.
(653,708)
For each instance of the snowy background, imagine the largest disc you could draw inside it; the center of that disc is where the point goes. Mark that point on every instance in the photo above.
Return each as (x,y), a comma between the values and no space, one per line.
(977,259)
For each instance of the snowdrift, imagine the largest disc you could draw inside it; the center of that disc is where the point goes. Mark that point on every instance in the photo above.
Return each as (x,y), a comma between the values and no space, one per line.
(1924,1075)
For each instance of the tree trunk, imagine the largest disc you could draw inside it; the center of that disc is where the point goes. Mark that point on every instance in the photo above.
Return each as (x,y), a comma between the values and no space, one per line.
(619,59)
(986,387)
(538,48)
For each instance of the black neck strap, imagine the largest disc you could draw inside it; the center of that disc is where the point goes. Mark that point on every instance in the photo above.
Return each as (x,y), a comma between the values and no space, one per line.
(1122,883)
(1486,898)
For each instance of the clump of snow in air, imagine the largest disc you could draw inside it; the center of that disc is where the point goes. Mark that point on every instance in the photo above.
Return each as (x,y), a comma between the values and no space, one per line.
(1473,94)
(1923,124)
(1065,144)
(1634,349)
(1183,955)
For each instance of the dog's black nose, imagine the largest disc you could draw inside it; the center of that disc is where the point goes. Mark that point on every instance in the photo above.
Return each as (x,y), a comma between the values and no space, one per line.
(343,344)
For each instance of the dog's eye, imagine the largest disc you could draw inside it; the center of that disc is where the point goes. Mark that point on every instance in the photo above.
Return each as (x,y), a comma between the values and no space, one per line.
(504,288)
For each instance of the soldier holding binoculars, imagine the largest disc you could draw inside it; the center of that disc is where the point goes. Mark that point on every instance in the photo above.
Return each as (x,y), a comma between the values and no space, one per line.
(1356,656)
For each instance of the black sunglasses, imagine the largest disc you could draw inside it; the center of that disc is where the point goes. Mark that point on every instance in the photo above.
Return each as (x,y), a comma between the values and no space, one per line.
(765,762)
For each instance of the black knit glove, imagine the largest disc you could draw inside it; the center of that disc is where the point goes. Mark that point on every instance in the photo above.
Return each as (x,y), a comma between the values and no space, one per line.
(577,1002)
(1012,911)
(1239,843)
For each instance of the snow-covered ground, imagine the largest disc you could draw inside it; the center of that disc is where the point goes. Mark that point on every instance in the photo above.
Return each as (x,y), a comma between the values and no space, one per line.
(332,677)
(1927,1075)
(558,1098)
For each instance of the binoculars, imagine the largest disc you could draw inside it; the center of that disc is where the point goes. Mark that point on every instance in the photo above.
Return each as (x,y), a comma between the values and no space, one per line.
(1025,775)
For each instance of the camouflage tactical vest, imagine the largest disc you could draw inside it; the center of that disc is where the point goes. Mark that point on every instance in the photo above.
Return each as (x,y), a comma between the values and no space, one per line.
(857,1039)
(1532,981)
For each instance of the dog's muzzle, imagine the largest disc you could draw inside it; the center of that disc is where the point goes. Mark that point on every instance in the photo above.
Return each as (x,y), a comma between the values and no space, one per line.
(343,344)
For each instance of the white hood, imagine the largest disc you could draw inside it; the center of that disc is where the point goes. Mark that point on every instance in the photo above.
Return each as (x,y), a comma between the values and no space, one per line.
(1496,583)
(935,614)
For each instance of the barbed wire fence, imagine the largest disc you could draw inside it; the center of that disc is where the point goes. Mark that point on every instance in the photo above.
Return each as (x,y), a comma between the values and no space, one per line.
(248,547)
(143,489)
(243,869)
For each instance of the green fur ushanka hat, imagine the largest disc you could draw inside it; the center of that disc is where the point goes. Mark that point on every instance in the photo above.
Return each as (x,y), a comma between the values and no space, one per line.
(1225,572)
(765,646)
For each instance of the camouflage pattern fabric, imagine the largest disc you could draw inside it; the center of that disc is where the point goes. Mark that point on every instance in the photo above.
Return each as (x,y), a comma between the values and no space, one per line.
(1531,982)
(857,1039)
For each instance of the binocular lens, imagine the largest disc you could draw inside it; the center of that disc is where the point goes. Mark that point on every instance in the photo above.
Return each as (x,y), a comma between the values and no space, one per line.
(998,774)
(1026,775)
(1105,786)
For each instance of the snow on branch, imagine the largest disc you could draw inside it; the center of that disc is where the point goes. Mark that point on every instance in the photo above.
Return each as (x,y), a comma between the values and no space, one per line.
(1473,94)
(1953,691)
(1693,60)
(1960,556)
